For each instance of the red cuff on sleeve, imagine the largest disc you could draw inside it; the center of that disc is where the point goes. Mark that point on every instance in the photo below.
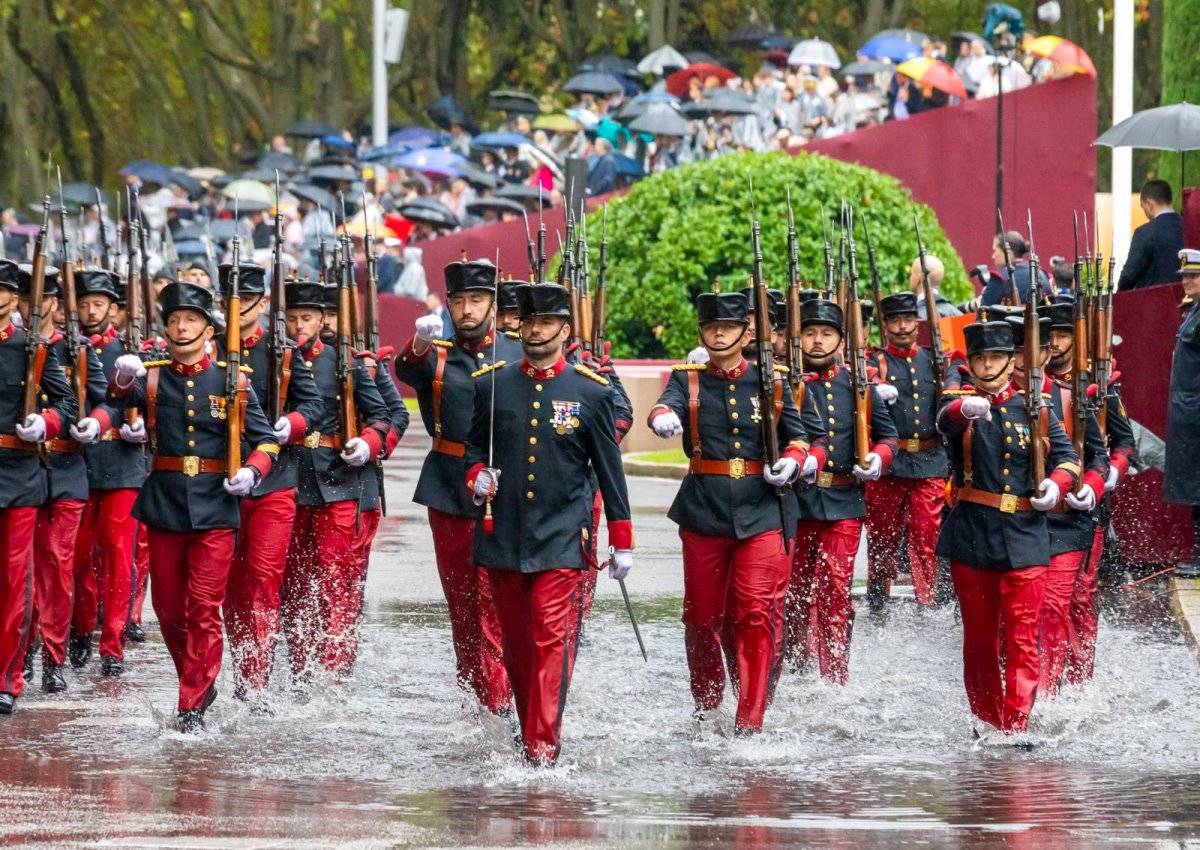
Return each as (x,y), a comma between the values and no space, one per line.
(1063,479)
(953,412)
(385,352)
(101,416)
(260,461)
(654,411)
(53,423)
(884,450)
(389,443)
(371,437)
(818,453)
(410,355)
(472,474)
(620,533)
(1120,461)
(299,428)
(796,453)
(1093,479)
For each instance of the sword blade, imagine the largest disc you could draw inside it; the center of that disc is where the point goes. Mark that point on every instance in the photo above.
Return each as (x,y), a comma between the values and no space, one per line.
(637,633)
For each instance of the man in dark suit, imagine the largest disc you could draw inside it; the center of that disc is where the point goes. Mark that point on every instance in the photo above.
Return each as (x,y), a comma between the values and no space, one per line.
(1154,250)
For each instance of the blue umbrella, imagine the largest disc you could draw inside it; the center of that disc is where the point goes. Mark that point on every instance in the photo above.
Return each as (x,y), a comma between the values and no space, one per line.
(896,45)
(415,138)
(500,139)
(431,161)
(627,166)
(149,172)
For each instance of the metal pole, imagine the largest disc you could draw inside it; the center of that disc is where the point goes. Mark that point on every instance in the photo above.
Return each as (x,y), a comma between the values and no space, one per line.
(379,93)
(999,137)
(1122,158)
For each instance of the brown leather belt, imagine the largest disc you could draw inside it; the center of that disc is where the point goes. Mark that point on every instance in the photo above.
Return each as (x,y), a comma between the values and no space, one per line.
(8,441)
(836,479)
(326,441)
(110,435)
(914,445)
(735,468)
(63,446)
(190,465)
(449,447)
(1005,503)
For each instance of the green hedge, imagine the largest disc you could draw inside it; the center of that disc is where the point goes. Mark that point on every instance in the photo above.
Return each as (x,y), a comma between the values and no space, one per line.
(675,232)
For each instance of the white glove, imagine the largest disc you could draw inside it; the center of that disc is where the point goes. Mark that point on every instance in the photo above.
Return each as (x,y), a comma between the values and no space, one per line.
(872,470)
(135,433)
(699,354)
(356,452)
(241,483)
(620,563)
(486,483)
(33,429)
(808,472)
(283,430)
(1084,500)
(429,328)
(667,425)
(1047,496)
(887,393)
(782,473)
(976,407)
(86,431)
(129,367)
(1113,480)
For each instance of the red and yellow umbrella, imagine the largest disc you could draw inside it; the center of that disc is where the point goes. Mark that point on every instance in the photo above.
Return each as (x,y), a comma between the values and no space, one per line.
(935,74)
(1065,53)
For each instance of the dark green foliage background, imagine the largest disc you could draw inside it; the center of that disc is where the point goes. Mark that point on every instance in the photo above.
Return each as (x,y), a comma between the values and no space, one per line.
(675,232)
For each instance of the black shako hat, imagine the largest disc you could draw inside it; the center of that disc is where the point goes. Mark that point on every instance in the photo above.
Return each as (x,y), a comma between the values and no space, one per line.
(25,279)
(1061,315)
(997,312)
(898,304)
(330,301)
(252,279)
(96,282)
(989,336)
(8,275)
(818,311)
(722,307)
(542,299)
(470,274)
(185,296)
(1018,330)
(304,293)
(868,310)
(777,307)
(507,298)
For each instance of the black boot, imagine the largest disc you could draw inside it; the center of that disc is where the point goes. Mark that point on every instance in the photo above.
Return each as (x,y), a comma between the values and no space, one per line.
(27,671)
(53,681)
(8,703)
(111,666)
(135,632)
(79,650)
(191,722)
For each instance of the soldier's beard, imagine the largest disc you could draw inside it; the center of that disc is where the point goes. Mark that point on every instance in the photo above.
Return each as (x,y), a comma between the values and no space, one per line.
(820,362)
(1060,362)
(470,333)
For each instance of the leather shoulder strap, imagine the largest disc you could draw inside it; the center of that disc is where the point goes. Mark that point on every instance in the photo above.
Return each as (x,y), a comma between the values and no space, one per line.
(152,374)
(694,410)
(285,377)
(967,444)
(778,398)
(439,380)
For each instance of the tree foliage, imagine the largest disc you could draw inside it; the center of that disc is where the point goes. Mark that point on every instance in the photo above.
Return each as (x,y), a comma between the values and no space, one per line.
(677,232)
(1181,29)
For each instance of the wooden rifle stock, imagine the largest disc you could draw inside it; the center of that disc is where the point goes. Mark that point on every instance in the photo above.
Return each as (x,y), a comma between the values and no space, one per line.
(233,363)
(858,354)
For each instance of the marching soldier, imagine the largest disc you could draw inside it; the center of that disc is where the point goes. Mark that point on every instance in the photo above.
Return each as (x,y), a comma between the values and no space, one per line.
(542,423)
(736,555)
(507,320)
(817,608)
(23,481)
(441,371)
(252,601)
(908,500)
(995,536)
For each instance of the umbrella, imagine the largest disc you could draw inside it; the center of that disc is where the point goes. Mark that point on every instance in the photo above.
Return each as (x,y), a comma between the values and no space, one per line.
(316,194)
(1165,128)
(477,177)
(866,68)
(445,111)
(430,211)
(263,175)
(148,172)
(593,82)
(627,166)
(1065,53)
(751,35)
(341,173)
(496,204)
(722,101)
(935,74)
(778,42)
(187,182)
(252,191)
(513,102)
(661,119)
(414,138)
(637,106)
(618,66)
(556,122)
(657,61)
(896,45)
(309,129)
(435,161)
(189,248)
(695,57)
(814,52)
(540,156)
(285,162)
(83,195)
(500,139)
(677,83)
(527,196)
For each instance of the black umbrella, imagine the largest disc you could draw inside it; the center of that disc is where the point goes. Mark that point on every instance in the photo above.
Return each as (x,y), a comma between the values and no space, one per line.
(750,35)
(609,64)
(83,194)
(430,211)
(1164,128)
(513,102)
(315,194)
(262,175)
(187,182)
(341,173)
(593,82)
(285,162)
(499,205)
(722,101)
(698,57)
(527,196)
(661,119)
(310,129)
(221,230)
(477,177)
(865,68)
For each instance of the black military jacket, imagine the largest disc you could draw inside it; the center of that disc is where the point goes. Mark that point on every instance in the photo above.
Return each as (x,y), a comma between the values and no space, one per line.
(64,459)
(1072,531)
(23,481)
(914,412)
(189,421)
(1181,485)
(324,478)
(302,406)
(446,412)
(828,420)
(113,463)
(549,426)
(1122,445)
(738,505)
(990,538)
(398,416)
(622,405)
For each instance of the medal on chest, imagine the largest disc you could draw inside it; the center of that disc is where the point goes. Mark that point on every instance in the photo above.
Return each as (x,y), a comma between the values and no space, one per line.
(566,417)
(756,416)
(216,406)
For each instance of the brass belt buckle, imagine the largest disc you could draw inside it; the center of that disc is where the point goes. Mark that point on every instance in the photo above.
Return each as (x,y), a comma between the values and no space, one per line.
(737,468)
(312,439)
(1008,503)
(191,466)
(825,479)
(912,445)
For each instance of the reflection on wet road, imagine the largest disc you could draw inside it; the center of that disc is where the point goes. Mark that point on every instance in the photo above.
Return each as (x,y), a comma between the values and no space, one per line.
(398,757)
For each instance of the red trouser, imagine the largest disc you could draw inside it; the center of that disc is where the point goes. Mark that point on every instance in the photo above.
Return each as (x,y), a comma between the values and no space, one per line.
(141,561)
(817,609)
(893,506)
(322,589)
(988,598)
(1057,630)
(540,615)
(1085,614)
(104,567)
(54,574)
(252,598)
(16,594)
(368,527)
(189,573)
(733,593)
(474,627)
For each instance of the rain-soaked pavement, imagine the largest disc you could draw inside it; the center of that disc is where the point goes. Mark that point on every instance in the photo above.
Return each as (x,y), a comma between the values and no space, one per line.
(399,757)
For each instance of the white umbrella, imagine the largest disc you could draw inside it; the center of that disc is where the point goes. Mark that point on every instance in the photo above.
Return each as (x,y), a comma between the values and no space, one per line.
(657,61)
(813,52)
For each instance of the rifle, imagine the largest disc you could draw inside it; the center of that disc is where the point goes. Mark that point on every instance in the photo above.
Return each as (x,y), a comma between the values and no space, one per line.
(277,343)
(1035,411)
(857,352)
(144,270)
(940,367)
(35,344)
(489,523)
(1090,285)
(1102,352)
(1014,294)
(233,361)
(765,359)
(827,293)
(135,322)
(840,294)
(876,286)
(345,352)
(530,251)
(583,295)
(77,352)
(105,258)
(795,351)
(541,241)
(1079,377)
(372,320)
(356,325)
(599,305)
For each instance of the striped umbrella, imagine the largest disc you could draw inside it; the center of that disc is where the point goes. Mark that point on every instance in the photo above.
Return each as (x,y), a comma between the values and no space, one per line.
(935,74)
(1065,53)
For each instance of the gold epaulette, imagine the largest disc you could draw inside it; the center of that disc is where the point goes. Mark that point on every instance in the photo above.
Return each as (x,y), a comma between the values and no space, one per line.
(512,334)
(958,392)
(487,367)
(150,363)
(442,343)
(249,370)
(588,373)
(688,367)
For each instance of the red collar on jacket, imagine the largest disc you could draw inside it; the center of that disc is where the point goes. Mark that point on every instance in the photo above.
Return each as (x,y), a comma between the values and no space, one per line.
(103,339)
(543,374)
(477,345)
(729,374)
(1006,394)
(310,349)
(249,341)
(7,331)
(830,373)
(902,352)
(193,369)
